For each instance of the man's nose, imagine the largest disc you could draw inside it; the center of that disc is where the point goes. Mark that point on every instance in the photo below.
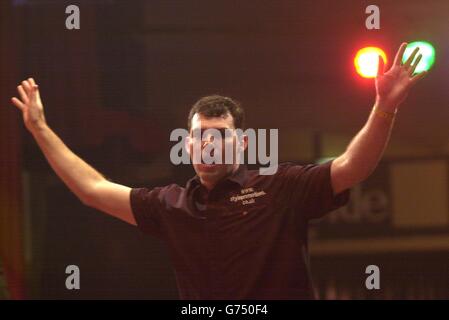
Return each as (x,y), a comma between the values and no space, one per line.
(204,143)
(209,139)
(217,145)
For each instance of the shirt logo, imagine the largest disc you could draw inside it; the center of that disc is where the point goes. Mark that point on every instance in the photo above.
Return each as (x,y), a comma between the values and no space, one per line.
(247,196)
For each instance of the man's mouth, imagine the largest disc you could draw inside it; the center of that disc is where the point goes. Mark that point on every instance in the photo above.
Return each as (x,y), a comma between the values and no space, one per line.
(207,167)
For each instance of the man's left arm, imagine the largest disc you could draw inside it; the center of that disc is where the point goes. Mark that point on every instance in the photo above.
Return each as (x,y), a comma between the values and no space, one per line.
(365,150)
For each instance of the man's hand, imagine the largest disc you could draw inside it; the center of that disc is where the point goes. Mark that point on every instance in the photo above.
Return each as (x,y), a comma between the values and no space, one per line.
(83,180)
(30,104)
(393,86)
(365,150)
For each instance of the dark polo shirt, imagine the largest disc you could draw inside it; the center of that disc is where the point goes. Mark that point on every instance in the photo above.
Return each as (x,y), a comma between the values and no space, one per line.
(244,239)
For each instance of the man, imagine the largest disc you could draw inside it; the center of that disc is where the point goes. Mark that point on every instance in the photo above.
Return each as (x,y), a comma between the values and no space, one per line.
(232,233)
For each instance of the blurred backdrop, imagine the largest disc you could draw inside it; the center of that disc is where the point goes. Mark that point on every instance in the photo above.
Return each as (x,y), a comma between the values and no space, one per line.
(116,88)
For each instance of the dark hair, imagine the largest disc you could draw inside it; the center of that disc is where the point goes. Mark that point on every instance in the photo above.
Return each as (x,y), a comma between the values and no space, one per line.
(218,106)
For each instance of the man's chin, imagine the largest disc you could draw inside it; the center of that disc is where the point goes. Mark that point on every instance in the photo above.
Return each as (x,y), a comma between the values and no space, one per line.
(212,172)
(209,168)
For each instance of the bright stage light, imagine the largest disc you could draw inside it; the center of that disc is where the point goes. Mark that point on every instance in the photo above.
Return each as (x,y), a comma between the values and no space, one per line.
(428,55)
(366,61)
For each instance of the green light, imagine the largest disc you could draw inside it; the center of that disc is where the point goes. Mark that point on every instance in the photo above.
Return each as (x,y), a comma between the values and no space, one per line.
(428,55)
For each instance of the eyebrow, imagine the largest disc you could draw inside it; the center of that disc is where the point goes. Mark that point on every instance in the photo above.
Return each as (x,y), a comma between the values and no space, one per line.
(201,131)
(216,128)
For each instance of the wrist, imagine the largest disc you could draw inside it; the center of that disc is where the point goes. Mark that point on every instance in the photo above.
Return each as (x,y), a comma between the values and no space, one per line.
(37,127)
(385,106)
(382,113)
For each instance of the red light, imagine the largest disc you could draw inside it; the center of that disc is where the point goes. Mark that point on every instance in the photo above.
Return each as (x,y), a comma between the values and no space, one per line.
(366,61)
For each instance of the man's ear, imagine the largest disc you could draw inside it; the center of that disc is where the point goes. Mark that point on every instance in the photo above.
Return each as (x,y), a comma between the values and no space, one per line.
(243,143)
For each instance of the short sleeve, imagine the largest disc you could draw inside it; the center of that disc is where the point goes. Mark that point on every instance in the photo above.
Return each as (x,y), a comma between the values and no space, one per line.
(146,206)
(310,189)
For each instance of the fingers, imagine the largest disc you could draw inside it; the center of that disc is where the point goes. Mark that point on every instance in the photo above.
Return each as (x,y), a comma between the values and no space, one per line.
(380,67)
(18,103)
(413,67)
(411,58)
(418,77)
(399,54)
(34,93)
(34,88)
(28,90)
(27,86)
(23,94)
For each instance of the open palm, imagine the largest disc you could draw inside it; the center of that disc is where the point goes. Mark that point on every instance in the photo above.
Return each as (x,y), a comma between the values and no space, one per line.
(393,86)
(30,104)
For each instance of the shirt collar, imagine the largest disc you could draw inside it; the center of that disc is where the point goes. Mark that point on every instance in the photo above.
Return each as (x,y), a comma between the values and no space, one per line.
(239,176)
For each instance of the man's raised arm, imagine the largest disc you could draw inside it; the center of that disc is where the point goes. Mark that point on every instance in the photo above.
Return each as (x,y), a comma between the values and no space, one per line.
(92,188)
(365,150)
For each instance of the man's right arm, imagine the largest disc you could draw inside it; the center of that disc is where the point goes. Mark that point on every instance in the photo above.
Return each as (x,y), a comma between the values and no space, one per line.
(92,188)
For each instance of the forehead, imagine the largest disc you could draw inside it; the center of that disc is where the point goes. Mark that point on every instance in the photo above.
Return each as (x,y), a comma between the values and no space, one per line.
(200,121)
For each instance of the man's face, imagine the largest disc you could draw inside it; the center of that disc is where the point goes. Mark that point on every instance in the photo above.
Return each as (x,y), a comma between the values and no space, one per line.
(212,173)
